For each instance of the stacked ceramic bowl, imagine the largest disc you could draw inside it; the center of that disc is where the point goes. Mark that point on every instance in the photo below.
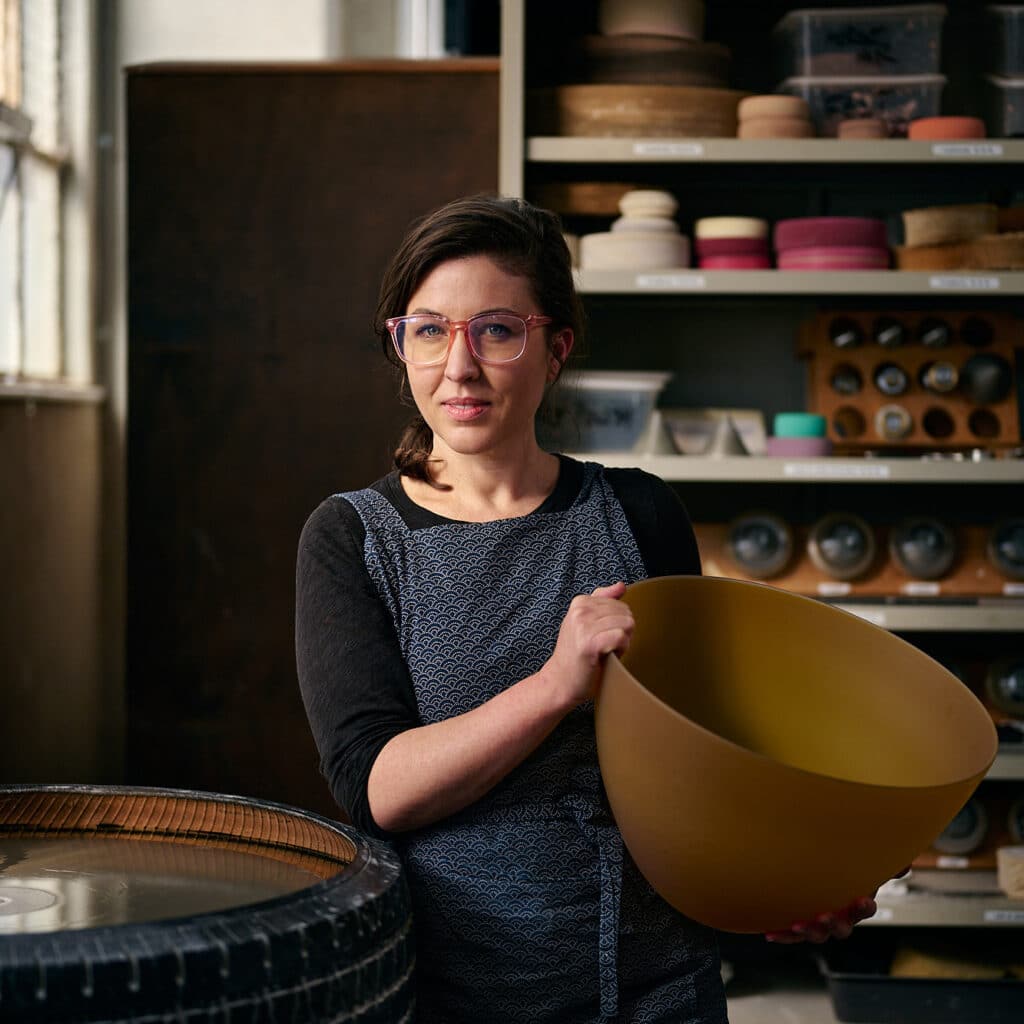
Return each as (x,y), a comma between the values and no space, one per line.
(645,237)
(732,243)
(798,434)
(976,236)
(654,42)
(647,72)
(774,117)
(935,129)
(831,243)
(865,129)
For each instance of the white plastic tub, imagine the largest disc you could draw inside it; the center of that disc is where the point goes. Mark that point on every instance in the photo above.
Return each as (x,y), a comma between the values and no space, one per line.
(600,410)
(886,41)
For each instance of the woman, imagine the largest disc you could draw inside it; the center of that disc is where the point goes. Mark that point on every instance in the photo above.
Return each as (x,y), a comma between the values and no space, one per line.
(451,621)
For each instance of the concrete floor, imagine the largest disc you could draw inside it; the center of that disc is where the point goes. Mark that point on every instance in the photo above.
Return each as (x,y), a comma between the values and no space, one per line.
(785,993)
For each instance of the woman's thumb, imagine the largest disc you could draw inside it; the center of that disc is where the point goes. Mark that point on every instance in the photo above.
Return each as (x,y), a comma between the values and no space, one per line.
(616,589)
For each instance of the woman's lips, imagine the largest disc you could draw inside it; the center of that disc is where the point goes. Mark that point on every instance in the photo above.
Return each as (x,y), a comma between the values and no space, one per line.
(465,409)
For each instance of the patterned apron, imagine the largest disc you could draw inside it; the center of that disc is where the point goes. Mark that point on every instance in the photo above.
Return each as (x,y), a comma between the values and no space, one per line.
(526,906)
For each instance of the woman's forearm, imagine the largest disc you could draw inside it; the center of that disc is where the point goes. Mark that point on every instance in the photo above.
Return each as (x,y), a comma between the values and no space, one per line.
(425,774)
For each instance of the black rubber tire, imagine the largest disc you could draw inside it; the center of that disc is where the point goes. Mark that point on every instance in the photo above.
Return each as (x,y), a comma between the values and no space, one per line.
(340,950)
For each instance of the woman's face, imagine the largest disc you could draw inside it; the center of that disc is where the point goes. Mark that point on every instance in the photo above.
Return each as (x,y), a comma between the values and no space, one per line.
(475,408)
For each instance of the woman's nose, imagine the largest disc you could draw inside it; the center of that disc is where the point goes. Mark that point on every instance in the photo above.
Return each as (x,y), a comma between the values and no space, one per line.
(461,364)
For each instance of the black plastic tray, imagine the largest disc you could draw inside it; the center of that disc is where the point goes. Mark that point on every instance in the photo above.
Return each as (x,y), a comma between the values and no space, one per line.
(878,999)
(863,992)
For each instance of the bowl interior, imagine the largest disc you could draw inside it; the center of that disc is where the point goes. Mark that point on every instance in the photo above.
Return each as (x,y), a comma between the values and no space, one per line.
(804,684)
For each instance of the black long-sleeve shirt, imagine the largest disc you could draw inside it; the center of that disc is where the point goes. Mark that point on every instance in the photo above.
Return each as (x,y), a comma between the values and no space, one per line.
(354,681)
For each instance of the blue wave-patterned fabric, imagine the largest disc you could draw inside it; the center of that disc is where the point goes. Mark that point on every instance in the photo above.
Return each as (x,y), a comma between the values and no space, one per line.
(527,908)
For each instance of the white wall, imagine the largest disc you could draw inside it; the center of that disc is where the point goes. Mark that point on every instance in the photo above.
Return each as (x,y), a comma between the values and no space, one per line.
(157,30)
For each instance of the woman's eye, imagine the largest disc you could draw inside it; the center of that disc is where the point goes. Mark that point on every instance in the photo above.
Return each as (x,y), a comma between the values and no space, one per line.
(429,331)
(495,331)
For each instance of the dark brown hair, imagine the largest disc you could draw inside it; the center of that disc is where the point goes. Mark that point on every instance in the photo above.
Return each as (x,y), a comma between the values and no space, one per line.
(523,239)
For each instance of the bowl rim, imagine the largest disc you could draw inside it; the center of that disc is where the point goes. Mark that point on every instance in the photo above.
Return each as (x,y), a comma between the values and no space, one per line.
(758,757)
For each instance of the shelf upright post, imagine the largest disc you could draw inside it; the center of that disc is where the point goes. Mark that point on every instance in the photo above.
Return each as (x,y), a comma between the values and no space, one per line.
(512,89)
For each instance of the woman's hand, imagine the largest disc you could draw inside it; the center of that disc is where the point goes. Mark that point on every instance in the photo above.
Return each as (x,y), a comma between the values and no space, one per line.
(595,625)
(836,925)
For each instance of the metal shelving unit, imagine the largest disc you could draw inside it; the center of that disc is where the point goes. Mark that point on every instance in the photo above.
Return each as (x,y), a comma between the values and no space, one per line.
(988,617)
(807,282)
(567,149)
(1009,765)
(680,161)
(833,469)
(936,909)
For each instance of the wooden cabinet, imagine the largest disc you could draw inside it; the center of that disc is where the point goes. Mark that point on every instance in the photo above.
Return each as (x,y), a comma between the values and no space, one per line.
(263,204)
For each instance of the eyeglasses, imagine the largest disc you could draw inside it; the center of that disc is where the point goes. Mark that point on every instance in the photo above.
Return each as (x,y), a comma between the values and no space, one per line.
(425,339)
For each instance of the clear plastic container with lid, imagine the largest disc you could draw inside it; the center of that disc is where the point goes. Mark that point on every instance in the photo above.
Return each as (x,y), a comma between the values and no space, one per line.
(897,101)
(903,40)
(1004,39)
(1004,114)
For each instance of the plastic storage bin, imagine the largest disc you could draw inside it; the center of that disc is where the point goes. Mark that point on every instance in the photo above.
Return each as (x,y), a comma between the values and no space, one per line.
(862,990)
(883,41)
(1004,39)
(897,101)
(601,410)
(1004,115)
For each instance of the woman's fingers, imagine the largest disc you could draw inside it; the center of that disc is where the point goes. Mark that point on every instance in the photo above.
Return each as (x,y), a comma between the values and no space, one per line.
(837,925)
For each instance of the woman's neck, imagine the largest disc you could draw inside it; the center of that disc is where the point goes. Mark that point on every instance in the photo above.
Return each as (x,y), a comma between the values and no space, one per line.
(480,489)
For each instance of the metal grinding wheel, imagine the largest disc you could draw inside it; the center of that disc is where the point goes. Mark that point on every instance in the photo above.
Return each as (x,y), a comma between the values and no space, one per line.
(1006,548)
(761,544)
(131,905)
(966,832)
(1016,821)
(842,545)
(923,547)
(1004,684)
(986,378)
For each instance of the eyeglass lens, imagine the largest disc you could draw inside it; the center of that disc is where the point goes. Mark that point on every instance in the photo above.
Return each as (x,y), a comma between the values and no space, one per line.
(494,337)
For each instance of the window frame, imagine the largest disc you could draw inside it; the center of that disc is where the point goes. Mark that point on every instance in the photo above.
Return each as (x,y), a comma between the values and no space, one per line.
(49,290)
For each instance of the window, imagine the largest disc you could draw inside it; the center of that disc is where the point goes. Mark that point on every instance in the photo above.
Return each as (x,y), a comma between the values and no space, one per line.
(44,74)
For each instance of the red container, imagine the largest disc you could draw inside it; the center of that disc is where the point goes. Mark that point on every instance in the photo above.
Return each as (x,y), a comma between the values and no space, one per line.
(834,257)
(736,261)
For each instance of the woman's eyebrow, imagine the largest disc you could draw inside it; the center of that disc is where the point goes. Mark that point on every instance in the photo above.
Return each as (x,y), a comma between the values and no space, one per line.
(423,311)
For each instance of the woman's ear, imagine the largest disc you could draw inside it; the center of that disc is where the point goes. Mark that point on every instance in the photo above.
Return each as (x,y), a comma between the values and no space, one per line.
(561,346)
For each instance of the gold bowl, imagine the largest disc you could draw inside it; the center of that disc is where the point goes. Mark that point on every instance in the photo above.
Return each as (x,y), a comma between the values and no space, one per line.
(768,757)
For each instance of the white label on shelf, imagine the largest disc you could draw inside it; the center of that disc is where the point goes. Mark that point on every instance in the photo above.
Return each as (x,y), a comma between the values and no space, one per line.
(689,282)
(1003,916)
(963,282)
(876,616)
(967,149)
(921,588)
(836,470)
(1013,590)
(946,861)
(668,148)
(828,588)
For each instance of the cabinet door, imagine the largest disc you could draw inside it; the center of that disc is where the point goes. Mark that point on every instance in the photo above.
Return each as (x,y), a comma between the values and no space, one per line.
(263,205)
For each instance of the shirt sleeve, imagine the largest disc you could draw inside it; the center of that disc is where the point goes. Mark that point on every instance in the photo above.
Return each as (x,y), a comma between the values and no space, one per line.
(354,682)
(659,521)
